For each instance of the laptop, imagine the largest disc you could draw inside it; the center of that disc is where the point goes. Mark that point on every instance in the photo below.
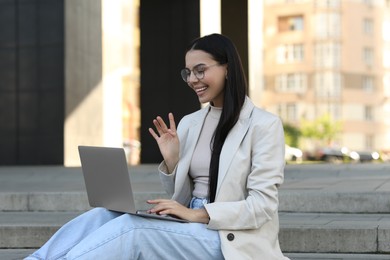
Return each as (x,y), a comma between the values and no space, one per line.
(107,181)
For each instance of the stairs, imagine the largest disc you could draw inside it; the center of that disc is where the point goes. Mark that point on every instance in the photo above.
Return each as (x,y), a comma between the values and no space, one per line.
(326,211)
(336,211)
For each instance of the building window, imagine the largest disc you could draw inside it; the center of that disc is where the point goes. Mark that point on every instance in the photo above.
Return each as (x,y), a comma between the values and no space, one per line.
(386,112)
(386,30)
(290,23)
(327,84)
(294,83)
(334,111)
(367,2)
(327,3)
(368,26)
(288,112)
(386,57)
(369,142)
(368,84)
(327,25)
(368,56)
(327,55)
(289,53)
(368,113)
(386,85)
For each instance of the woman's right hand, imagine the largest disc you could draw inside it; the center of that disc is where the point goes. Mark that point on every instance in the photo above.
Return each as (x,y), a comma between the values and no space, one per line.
(167,140)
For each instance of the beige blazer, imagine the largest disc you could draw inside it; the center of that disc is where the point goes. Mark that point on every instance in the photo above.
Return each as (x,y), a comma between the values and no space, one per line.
(245,211)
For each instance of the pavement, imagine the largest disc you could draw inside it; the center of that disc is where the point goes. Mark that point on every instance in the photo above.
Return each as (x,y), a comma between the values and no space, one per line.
(327,211)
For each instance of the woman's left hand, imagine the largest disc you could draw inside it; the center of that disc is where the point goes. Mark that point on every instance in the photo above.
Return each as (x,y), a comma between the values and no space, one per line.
(171,207)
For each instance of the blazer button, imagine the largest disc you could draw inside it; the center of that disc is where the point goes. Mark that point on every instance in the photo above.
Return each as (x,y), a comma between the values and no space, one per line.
(230,236)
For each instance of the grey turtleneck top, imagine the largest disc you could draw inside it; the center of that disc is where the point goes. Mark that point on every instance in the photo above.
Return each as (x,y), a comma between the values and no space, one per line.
(200,163)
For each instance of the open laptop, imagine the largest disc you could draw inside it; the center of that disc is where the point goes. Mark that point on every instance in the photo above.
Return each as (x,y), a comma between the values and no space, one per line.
(107,181)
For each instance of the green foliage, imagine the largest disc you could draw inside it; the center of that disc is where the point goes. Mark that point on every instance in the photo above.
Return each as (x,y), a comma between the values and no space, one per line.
(323,129)
(291,135)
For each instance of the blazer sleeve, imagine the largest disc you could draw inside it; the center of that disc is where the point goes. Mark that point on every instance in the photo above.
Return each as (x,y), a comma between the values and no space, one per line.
(250,205)
(167,179)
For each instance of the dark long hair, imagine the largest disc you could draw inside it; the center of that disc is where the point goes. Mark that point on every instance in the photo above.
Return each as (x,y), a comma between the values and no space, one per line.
(222,49)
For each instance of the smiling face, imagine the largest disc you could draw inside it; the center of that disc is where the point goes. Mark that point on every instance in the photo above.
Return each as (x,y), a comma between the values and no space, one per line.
(211,87)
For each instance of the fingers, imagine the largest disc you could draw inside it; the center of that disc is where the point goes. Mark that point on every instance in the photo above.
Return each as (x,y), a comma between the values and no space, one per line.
(162,205)
(172,123)
(161,126)
(158,201)
(151,131)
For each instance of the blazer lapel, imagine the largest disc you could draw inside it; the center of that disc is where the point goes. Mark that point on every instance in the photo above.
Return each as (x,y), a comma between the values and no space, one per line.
(233,141)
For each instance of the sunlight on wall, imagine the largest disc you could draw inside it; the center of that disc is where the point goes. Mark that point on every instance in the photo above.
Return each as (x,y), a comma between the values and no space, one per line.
(255,51)
(121,78)
(102,71)
(210,17)
(112,66)
(84,125)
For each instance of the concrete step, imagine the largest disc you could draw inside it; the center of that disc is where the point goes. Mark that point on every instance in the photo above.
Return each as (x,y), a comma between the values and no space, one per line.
(290,201)
(326,201)
(335,233)
(61,201)
(14,254)
(30,229)
(17,254)
(299,232)
(355,188)
(314,256)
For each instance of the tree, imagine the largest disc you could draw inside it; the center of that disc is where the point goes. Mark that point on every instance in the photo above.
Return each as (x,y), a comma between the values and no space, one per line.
(291,135)
(324,129)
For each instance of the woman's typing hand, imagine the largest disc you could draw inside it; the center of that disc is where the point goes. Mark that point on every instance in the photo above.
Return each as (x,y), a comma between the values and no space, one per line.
(171,207)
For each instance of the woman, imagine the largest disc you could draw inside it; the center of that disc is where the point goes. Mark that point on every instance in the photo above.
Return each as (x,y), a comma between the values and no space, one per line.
(222,165)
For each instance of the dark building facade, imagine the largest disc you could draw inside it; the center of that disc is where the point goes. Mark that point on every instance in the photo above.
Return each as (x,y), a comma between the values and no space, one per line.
(167,27)
(31,82)
(32,76)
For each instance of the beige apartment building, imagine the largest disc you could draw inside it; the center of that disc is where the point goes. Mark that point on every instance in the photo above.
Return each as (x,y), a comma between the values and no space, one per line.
(330,57)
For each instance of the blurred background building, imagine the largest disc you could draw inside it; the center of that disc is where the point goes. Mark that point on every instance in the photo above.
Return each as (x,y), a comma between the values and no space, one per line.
(330,57)
(96,72)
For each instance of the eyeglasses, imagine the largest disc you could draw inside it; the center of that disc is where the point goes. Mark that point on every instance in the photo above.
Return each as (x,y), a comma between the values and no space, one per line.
(198,71)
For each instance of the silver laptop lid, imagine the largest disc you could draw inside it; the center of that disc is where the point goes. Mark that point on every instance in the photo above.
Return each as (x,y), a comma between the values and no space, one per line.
(107,178)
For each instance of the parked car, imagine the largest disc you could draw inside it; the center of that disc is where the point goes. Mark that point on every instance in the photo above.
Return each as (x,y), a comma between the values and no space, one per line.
(366,156)
(293,154)
(328,154)
(339,155)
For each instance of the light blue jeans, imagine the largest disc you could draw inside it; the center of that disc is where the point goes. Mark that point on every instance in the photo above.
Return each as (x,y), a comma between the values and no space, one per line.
(103,234)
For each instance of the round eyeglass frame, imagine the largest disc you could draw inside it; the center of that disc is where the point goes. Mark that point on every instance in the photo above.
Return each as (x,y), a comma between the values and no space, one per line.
(186,73)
